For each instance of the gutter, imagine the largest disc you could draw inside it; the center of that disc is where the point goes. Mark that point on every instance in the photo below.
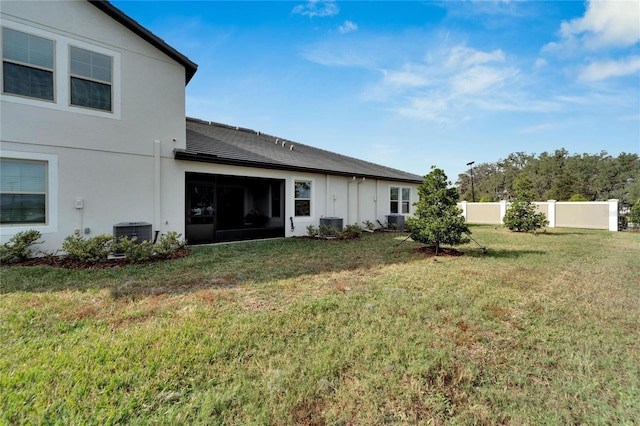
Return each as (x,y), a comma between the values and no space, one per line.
(210,158)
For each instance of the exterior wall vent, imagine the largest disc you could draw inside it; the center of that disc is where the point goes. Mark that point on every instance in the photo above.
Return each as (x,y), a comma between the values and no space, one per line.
(141,230)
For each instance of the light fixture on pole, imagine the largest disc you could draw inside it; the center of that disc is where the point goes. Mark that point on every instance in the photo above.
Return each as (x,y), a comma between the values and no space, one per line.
(473,192)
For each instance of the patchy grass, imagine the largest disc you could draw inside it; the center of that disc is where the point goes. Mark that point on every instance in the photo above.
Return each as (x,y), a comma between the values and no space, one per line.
(540,330)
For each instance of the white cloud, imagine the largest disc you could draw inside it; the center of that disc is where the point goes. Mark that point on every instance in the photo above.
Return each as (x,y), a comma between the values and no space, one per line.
(409,77)
(434,107)
(356,52)
(481,79)
(540,63)
(450,86)
(632,117)
(348,27)
(520,102)
(538,129)
(317,8)
(601,70)
(462,56)
(621,97)
(604,24)
(448,83)
(605,38)
(329,54)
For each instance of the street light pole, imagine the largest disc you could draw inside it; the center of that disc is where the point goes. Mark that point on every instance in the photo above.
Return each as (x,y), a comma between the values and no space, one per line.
(473,192)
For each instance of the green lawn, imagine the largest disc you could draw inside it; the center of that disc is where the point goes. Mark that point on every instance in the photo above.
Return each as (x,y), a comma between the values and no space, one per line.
(541,330)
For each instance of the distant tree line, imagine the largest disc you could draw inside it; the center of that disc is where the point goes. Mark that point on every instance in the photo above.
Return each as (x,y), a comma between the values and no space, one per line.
(556,176)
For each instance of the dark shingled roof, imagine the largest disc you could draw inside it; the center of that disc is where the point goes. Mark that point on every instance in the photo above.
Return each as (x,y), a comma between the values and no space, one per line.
(222,144)
(189,66)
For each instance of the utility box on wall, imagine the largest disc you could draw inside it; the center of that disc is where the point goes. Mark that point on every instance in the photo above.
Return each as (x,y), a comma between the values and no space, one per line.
(141,230)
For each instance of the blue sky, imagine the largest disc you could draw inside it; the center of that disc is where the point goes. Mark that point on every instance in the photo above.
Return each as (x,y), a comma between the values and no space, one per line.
(418,83)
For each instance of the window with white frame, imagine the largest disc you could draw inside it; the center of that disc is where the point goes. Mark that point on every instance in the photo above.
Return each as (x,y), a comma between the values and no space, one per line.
(302,198)
(27,65)
(400,200)
(23,192)
(91,79)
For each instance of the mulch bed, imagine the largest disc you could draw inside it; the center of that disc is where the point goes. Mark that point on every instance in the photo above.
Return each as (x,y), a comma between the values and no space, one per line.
(67,263)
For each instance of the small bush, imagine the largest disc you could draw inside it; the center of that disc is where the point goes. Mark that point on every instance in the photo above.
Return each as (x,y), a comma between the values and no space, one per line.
(18,248)
(133,250)
(169,244)
(352,231)
(521,215)
(312,231)
(90,250)
(97,249)
(368,225)
(328,231)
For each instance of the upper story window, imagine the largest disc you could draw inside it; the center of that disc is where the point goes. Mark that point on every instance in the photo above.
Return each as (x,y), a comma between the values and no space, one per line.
(91,79)
(27,65)
(23,192)
(400,200)
(302,198)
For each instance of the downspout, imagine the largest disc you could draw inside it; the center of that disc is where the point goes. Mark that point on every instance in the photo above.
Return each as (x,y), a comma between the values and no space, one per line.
(326,197)
(358,200)
(375,198)
(156,185)
(348,218)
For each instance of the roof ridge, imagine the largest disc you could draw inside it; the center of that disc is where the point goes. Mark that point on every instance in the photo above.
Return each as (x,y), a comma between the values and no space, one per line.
(245,130)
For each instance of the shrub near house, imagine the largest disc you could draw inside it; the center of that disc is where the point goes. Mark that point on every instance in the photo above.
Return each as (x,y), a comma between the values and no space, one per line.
(19,247)
(92,251)
(97,249)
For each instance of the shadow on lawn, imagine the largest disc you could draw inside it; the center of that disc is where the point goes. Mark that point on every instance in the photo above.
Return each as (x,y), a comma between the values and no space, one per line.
(508,254)
(558,233)
(231,266)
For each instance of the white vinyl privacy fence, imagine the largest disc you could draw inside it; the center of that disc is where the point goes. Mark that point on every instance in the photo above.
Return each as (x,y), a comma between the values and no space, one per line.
(560,214)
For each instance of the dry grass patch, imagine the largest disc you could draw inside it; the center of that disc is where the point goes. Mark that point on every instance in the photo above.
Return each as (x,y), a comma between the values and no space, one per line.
(540,330)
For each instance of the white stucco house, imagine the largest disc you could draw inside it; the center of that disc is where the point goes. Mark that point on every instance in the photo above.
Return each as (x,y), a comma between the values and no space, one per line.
(94,135)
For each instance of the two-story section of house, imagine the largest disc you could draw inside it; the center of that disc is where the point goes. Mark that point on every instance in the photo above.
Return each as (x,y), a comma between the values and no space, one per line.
(92,110)
(94,135)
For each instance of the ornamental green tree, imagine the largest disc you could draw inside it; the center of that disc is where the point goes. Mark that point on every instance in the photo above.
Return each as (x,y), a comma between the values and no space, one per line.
(521,215)
(437,219)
